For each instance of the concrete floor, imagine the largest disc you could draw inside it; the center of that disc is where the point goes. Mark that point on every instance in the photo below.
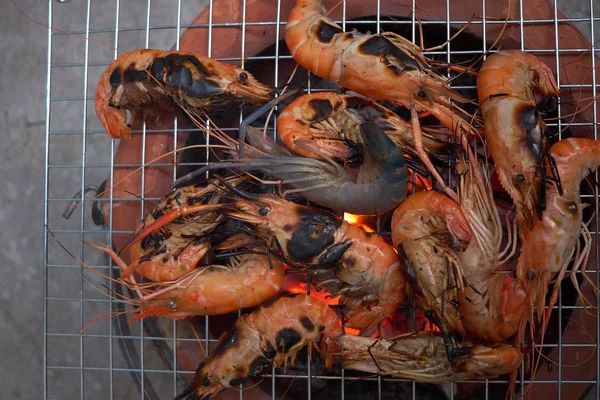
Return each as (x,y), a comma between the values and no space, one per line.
(22,126)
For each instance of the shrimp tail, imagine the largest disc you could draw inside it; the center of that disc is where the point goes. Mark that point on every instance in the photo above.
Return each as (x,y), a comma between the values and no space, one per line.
(381,147)
(264,143)
(245,125)
(393,166)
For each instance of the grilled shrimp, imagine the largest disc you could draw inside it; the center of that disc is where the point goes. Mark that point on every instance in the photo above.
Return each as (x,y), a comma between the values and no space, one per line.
(549,247)
(491,306)
(344,259)
(512,88)
(267,337)
(326,122)
(422,356)
(249,278)
(427,229)
(385,66)
(145,82)
(173,237)
(381,184)
(514,73)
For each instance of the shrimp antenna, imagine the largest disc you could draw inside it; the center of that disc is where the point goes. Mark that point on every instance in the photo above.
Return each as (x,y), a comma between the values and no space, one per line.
(185,179)
(257,114)
(416,166)
(468,69)
(246,248)
(231,188)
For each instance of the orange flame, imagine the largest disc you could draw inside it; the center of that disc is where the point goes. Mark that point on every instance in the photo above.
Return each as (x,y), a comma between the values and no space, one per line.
(351,218)
(357,220)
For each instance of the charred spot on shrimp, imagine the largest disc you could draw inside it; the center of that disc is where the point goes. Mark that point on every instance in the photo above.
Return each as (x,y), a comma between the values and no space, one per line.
(379,46)
(322,109)
(156,214)
(258,365)
(353,103)
(529,118)
(326,31)
(158,69)
(153,240)
(349,261)
(115,77)
(144,258)
(201,68)
(286,339)
(307,323)
(132,74)
(313,234)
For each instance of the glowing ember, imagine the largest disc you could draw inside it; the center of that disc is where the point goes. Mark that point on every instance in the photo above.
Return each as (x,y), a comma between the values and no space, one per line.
(419,181)
(351,218)
(358,220)
(423,323)
(295,283)
(352,331)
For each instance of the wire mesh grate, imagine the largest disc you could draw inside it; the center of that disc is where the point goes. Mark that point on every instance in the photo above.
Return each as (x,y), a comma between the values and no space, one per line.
(112,360)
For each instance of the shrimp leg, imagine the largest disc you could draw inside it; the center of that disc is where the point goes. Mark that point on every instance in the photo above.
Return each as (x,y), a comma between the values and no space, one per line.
(420,150)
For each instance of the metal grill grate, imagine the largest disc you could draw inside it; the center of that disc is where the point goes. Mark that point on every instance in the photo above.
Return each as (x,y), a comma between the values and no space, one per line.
(107,362)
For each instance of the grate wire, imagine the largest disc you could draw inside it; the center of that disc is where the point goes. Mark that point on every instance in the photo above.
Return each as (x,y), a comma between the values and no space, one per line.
(93,367)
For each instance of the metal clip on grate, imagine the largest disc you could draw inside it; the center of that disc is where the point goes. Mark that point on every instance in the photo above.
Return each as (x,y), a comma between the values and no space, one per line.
(115,360)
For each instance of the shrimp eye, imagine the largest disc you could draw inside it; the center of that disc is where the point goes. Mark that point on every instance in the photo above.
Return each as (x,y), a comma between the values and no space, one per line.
(243,77)
(530,275)
(171,305)
(263,211)
(421,94)
(519,178)
(572,206)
